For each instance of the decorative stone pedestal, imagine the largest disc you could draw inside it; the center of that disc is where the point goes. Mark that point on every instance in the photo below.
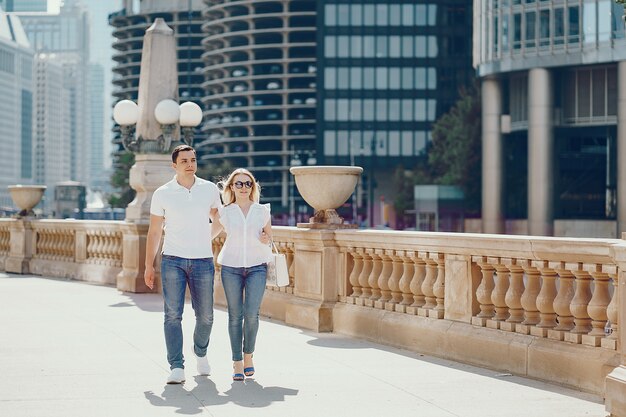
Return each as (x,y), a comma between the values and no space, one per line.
(149,173)
(21,250)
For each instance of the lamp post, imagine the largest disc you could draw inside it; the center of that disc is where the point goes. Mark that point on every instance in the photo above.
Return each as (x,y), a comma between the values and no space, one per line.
(305,157)
(167,113)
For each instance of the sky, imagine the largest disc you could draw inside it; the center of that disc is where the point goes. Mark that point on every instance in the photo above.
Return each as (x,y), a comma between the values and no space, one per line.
(54,5)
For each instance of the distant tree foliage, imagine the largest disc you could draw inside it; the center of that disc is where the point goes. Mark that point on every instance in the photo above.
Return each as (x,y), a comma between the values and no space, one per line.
(124,193)
(454,157)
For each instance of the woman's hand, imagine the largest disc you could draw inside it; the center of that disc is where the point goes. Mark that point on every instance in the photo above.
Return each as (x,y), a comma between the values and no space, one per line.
(265,238)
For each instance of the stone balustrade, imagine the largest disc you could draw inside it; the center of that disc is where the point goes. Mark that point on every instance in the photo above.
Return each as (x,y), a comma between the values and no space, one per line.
(83,250)
(547,308)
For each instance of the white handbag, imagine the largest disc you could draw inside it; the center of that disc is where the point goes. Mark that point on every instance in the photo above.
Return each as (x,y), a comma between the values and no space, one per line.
(277,271)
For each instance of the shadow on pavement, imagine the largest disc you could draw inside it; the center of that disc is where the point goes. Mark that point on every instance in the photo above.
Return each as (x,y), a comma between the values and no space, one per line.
(205,394)
(250,393)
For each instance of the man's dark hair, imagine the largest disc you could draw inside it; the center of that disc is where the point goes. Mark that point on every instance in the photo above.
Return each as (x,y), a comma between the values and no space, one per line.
(179,149)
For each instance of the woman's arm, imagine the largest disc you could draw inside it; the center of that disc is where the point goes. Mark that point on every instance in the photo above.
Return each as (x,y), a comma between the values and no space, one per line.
(266,233)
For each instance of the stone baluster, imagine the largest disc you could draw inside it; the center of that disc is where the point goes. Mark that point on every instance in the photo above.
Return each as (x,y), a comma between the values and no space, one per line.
(91,244)
(513,297)
(372,280)
(484,290)
(427,287)
(563,301)
(498,295)
(529,299)
(597,306)
(291,266)
(405,280)
(419,274)
(5,240)
(384,277)
(439,289)
(394,280)
(612,312)
(368,264)
(578,307)
(545,300)
(357,267)
(55,245)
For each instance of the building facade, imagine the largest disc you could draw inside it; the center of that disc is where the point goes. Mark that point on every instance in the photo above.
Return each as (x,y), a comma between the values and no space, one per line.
(52,149)
(64,38)
(24,5)
(130,25)
(387,71)
(260,89)
(553,78)
(16,106)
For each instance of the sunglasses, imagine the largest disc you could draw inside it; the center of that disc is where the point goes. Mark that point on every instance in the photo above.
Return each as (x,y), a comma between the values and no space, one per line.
(240,184)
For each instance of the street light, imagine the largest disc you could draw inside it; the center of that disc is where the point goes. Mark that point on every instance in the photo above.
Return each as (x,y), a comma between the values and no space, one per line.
(167,113)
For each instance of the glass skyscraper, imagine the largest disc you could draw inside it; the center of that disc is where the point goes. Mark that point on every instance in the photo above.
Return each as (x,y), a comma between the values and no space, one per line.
(553,77)
(387,70)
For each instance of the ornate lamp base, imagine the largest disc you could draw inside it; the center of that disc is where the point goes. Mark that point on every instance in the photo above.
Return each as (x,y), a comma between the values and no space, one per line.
(327,219)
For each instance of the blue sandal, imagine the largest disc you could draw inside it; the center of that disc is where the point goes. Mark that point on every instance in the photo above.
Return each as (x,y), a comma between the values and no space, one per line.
(237,376)
(249,371)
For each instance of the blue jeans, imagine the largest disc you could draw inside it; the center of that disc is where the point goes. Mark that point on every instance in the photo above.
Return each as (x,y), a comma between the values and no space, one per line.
(244,288)
(176,274)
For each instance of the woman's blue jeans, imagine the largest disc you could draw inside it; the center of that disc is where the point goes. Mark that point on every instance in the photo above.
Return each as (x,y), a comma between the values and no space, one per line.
(176,274)
(244,288)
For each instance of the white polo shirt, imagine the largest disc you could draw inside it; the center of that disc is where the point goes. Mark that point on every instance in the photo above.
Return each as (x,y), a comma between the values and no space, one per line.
(243,247)
(186,212)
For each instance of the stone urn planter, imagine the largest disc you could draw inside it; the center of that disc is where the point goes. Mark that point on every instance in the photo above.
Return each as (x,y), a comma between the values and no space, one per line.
(325,188)
(26,197)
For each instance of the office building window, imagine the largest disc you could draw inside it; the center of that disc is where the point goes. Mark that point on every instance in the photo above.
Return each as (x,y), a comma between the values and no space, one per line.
(590,28)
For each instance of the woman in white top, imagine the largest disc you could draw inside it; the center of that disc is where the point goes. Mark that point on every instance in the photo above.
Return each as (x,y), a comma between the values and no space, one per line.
(244,260)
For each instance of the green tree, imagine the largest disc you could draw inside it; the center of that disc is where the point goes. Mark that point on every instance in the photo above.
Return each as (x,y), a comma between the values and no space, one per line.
(454,157)
(124,193)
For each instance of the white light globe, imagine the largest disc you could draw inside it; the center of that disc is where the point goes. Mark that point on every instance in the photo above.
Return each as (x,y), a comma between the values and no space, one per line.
(190,114)
(167,112)
(126,113)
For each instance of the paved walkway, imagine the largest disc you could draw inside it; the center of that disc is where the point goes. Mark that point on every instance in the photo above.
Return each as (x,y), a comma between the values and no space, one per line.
(73,349)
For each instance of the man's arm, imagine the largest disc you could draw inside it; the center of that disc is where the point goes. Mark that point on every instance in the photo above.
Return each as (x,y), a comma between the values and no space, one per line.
(216,227)
(155,231)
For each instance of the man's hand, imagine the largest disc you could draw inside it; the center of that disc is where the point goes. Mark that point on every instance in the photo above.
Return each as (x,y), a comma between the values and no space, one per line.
(148,277)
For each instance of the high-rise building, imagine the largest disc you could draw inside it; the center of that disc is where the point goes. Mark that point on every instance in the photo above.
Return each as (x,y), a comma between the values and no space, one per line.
(387,71)
(24,5)
(16,106)
(261,89)
(66,37)
(101,53)
(331,82)
(52,150)
(97,174)
(554,119)
(130,25)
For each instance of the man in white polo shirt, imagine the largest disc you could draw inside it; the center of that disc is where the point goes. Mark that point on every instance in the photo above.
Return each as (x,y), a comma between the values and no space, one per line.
(183,207)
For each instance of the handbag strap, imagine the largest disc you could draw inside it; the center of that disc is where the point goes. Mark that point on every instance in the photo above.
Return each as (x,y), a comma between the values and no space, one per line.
(274,248)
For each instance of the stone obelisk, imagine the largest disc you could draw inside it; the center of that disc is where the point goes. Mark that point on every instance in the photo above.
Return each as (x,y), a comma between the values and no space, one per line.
(158,80)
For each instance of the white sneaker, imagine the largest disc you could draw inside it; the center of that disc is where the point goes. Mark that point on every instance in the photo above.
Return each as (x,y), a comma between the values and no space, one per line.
(203,365)
(177,376)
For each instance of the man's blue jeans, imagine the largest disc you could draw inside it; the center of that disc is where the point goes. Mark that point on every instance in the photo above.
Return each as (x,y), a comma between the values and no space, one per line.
(244,288)
(176,274)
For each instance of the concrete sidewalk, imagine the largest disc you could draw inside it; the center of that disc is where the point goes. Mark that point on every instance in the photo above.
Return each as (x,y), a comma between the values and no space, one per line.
(74,349)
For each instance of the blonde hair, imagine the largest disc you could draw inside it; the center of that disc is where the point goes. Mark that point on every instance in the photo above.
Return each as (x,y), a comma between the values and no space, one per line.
(228,197)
